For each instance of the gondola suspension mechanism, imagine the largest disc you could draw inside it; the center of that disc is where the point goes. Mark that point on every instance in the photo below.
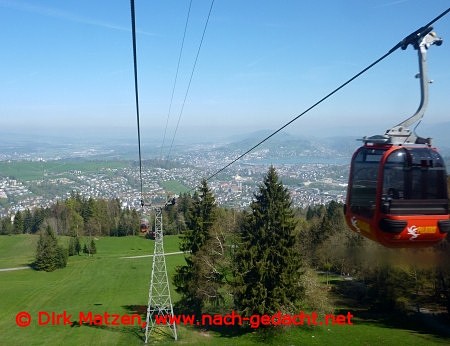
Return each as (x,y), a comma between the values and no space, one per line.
(397,191)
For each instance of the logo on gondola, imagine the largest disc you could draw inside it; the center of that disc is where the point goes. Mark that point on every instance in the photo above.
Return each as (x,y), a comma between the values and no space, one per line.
(355,223)
(412,231)
(360,226)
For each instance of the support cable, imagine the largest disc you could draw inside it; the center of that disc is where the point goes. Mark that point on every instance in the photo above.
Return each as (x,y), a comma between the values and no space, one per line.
(410,39)
(136,92)
(176,78)
(190,79)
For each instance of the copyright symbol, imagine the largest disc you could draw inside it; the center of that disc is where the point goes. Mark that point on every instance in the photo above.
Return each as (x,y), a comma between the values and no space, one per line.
(23,319)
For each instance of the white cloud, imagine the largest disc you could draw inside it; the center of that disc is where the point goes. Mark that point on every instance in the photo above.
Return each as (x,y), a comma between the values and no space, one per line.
(64,15)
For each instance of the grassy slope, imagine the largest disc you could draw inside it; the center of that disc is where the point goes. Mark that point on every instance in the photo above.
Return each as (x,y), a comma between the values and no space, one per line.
(17,250)
(27,170)
(174,187)
(109,283)
(102,283)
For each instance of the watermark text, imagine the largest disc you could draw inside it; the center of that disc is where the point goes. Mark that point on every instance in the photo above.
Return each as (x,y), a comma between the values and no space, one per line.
(256,321)
(52,318)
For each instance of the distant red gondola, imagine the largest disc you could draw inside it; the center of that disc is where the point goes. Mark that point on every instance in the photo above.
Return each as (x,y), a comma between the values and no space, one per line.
(144,225)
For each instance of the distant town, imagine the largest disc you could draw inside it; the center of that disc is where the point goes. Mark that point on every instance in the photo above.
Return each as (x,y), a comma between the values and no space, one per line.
(311,173)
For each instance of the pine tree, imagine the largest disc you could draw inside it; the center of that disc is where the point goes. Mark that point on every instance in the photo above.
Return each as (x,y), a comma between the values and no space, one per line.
(201,217)
(77,245)
(49,256)
(18,223)
(27,221)
(61,257)
(38,220)
(92,247)
(5,226)
(74,246)
(267,268)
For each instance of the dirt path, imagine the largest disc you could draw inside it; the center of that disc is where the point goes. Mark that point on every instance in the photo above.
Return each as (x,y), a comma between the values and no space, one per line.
(166,254)
(142,256)
(11,269)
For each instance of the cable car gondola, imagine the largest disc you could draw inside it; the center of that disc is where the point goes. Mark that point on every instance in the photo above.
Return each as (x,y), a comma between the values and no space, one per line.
(143,225)
(397,191)
(145,230)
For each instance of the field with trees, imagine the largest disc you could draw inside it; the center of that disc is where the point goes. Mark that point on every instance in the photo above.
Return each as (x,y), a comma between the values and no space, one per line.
(174,187)
(269,258)
(108,282)
(30,170)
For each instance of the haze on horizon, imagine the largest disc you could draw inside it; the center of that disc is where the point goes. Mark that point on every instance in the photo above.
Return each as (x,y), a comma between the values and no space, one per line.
(67,67)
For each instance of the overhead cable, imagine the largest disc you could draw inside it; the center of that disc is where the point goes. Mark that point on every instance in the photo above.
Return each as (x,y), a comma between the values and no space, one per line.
(190,79)
(402,44)
(136,93)
(176,78)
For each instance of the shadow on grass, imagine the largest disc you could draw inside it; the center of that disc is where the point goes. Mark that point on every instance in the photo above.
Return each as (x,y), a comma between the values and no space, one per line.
(134,330)
(114,323)
(203,326)
(352,294)
(210,324)
(196,325)
(158,334)
(140,310)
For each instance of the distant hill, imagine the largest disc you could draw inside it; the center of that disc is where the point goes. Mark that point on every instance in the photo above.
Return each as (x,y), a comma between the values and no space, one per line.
(286,145)
(440,134)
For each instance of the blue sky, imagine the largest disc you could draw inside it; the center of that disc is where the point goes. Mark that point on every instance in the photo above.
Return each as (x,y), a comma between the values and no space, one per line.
(66,66)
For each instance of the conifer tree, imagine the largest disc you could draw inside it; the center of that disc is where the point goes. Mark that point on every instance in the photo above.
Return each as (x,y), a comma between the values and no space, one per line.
(49,256)
(18,223)
(201,217)
(92,247)
(267,267)
(77,245)
(27,221)
(38,220)
(5,226)
(61,257)
(74,246)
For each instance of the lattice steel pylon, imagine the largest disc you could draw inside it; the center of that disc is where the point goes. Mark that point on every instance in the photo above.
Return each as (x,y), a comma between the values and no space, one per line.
(159,300)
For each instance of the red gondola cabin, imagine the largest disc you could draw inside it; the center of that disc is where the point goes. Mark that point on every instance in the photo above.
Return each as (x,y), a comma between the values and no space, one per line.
(144,226)
(397,195)
(397,191)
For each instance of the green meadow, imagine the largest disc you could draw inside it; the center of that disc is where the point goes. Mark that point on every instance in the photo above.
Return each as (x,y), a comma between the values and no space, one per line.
(108,282)
(174,187)
(28,170)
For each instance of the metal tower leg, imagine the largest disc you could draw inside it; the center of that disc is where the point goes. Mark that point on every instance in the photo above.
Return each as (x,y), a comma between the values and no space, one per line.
(159,301)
